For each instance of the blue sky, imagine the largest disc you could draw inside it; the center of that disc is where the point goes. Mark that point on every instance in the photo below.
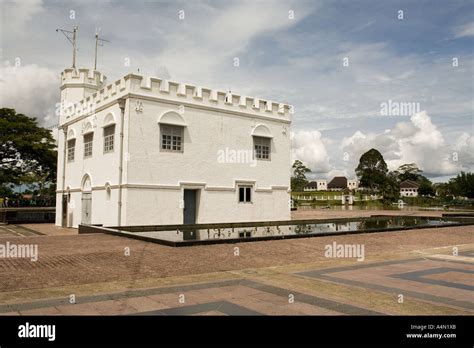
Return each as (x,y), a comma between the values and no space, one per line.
(296,59)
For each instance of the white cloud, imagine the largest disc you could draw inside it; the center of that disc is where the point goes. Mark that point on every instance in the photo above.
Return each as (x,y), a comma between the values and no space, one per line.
(31,90)
(464,150)
(417,141)
(296,61)
(207,55)
(309,147)
(465,30)
(20,13)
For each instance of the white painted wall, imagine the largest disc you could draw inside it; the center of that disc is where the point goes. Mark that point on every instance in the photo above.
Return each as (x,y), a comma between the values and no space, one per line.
(101,167)
(153,181)
(205,135)
(322,185)
(352,184)
(409,192)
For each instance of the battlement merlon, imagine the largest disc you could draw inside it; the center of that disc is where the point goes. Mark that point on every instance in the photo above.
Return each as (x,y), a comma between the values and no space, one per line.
(87,76)
(153,88)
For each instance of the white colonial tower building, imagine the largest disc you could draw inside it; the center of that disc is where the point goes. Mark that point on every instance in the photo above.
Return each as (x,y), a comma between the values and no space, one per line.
(143,151)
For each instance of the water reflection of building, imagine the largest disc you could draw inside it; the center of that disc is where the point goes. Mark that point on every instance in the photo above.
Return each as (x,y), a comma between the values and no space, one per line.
(257,232)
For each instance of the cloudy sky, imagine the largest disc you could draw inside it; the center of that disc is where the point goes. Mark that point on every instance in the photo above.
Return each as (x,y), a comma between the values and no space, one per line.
(340,63)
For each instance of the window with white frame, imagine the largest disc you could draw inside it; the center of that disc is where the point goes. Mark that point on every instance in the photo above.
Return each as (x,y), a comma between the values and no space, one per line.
(171,138)
(245,194)
(109,133)
(71,146)
(262,148)
(88,140)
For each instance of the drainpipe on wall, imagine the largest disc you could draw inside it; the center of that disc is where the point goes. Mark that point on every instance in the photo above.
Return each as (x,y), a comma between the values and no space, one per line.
(63,223)
(121,104)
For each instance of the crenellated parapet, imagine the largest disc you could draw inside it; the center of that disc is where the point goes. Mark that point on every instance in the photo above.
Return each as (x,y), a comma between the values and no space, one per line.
(96,99)
(207,97)
(153,88)
(90,77)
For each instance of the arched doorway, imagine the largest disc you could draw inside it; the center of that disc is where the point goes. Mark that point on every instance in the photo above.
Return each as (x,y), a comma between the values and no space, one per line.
(86,210)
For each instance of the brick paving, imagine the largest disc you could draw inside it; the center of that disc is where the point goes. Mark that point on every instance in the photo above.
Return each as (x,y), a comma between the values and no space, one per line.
(383,276)
(17,231)
(261,280)
(51,229)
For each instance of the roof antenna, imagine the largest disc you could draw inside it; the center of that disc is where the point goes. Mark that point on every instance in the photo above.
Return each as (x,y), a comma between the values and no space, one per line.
(98,42)
(71,36)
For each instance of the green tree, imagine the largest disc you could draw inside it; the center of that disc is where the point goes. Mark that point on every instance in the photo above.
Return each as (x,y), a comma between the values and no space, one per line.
(389,188)
(409,171)
(463,185)
(27,151)
(426,186)
(298,180)
(5,190)
(443,189)
(372,170)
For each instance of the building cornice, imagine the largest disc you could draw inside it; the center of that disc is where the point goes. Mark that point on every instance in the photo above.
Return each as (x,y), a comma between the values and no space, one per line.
(176,103)
(181,185)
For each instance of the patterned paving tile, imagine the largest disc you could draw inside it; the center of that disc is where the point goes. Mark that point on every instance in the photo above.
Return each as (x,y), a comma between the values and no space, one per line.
(313,300)
(414,283)
(224,307)
(234,297)
(419,276)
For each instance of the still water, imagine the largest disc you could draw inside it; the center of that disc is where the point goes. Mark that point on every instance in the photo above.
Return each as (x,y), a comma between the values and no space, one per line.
(318,227)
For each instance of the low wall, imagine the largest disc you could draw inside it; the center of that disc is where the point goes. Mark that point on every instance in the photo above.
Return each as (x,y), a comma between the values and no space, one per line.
(27,215)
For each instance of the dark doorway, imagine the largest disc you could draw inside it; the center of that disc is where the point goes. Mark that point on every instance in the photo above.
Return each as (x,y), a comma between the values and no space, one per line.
(64,212)
(86,208)
(190,198)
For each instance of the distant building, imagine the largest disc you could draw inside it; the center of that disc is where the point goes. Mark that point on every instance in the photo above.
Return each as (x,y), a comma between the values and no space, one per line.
(318,185)
(353,184)
(322,185)
(338,183)
(311,186)
(409,188)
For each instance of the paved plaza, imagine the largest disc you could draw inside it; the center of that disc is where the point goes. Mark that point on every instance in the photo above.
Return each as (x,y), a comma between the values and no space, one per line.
(416,272)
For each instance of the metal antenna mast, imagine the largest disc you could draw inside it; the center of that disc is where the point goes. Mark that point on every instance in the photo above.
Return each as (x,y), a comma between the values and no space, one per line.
(71,36)
(98,42)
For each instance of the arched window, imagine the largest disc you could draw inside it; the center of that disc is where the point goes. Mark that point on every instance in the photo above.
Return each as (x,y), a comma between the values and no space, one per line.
(109,132)
(71,149)
(88,134)
(86,183)
(71,145)
(172,127)
(109,138)
(262,138)
(88,142)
